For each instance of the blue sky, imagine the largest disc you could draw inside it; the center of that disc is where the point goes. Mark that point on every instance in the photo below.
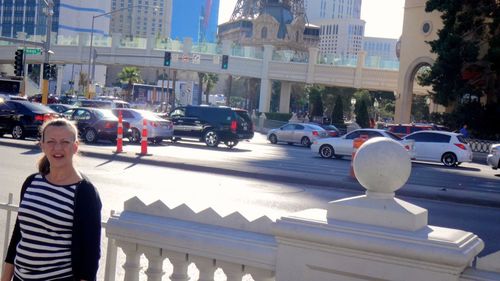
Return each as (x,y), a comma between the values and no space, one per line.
(384,18)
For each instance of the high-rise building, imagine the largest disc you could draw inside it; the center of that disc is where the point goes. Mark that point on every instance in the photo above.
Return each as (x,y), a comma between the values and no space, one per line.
(145,18)
(27,16)
(196,19)
(332,9)
(341,28)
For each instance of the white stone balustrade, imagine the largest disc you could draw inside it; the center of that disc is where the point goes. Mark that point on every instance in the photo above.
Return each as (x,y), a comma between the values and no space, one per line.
(370,237)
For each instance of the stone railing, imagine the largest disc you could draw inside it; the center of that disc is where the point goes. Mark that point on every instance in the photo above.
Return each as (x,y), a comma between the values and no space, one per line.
(370,237)
(478,145)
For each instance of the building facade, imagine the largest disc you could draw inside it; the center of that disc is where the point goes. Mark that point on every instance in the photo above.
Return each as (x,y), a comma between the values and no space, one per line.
(146,18)
(196,19)
(317,10)
(27,16)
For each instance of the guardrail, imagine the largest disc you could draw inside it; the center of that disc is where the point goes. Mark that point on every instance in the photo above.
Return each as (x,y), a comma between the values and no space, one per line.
(478,145)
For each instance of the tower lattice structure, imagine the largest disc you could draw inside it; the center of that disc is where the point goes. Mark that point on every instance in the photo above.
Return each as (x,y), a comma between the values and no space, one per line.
(250,9)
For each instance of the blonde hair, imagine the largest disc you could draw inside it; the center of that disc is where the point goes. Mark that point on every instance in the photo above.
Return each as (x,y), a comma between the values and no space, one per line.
(43,162)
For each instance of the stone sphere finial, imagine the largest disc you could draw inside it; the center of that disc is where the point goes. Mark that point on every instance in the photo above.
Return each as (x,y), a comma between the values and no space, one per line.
(382,166)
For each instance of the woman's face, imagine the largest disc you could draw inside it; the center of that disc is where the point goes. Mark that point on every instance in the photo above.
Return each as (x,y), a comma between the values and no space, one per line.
(59,145)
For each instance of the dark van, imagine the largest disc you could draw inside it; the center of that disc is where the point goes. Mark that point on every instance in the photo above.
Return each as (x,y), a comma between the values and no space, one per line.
(212,124)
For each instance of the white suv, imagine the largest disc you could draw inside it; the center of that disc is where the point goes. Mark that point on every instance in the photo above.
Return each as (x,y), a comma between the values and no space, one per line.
(494,157)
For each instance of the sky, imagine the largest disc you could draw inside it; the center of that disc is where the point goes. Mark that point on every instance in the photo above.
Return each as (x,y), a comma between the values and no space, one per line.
(384,18)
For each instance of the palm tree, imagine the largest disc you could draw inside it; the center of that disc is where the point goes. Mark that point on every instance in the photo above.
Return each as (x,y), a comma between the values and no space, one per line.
(83,82)
(201,78)
(211,80)
(130,75)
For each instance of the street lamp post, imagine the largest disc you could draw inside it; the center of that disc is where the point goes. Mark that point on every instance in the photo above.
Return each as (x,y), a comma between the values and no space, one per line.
(353,103)
(91,55)
(376,105)
(45,83)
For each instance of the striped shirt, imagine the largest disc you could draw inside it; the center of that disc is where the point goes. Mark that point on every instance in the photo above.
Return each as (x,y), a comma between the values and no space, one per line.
(46,221)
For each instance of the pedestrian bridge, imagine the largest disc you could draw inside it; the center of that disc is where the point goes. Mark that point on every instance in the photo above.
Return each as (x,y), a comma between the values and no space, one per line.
(263,63)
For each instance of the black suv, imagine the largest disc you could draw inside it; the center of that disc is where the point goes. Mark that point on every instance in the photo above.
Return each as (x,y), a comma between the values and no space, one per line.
(212,124)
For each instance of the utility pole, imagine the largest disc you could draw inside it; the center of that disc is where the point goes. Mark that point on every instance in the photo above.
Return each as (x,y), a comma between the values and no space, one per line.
(45,82)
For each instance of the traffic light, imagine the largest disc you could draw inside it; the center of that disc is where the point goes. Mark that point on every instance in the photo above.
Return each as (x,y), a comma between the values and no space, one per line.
(46,71)
(225,61)
(167,58)
(19,63)
(53,71)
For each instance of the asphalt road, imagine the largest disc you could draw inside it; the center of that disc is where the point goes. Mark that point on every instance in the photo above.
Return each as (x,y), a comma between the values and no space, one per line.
(230,185)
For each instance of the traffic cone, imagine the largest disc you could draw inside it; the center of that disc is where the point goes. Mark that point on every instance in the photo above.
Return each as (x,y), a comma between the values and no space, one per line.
(355,145)
(119,138)
(144,138)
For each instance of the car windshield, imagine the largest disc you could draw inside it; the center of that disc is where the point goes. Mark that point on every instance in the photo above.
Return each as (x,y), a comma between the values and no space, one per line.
(329,127)
(393,136)
(243,115)
(104,114)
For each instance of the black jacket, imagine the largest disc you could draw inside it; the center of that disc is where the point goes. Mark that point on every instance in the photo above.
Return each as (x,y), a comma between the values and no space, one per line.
(86,236)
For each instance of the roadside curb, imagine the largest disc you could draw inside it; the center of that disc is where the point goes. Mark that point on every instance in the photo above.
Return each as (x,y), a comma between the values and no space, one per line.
(346,183)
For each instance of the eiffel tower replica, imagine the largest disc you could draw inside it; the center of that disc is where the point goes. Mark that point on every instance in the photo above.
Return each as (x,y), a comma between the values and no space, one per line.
(281,23)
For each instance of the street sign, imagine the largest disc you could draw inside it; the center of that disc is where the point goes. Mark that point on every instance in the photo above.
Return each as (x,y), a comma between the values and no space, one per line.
(33,51)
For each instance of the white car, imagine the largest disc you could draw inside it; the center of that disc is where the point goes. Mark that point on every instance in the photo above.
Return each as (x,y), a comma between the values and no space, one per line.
(449,148)
(343,146)
(158,128)
(301,133)
(493,158)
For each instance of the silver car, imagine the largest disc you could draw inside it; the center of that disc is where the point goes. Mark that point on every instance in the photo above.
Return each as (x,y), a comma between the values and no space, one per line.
(493,158)
(301,133)
(158,128)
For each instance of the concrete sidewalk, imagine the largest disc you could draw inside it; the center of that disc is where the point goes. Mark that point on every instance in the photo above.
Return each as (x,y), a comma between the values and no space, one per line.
(465,196)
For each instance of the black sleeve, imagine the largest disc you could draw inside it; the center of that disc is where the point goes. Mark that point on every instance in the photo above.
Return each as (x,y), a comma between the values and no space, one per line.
(86,232)
(16,235)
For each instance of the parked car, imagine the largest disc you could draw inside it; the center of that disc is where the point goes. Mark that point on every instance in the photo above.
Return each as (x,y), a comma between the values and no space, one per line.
(38,98)
(301,133)
(212,124)
(96,123)
(329,128)
(343,146)
(402,130)
(158,128)
(449,148)
(23,118)
(94,104)
(59,107)
(493,159)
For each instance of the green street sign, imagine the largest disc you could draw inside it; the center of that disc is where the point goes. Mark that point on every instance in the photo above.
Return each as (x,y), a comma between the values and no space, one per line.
(33,51)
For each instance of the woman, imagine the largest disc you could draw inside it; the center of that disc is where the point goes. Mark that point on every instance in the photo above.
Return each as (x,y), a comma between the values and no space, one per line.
(58,227)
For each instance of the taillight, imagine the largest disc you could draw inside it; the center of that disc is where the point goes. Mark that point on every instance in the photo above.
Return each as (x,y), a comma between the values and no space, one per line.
(39,118)
(407,147)
(333,134)
(461,146)
(315,133)
(108,125)
(234,126)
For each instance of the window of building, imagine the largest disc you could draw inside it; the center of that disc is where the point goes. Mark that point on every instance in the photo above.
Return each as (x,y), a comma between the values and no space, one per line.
(263,33)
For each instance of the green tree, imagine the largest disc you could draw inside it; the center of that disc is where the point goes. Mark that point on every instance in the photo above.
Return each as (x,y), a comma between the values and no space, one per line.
(210,80)
(315,101)
(129,75)
(338,112)
(461,68)
(362,115)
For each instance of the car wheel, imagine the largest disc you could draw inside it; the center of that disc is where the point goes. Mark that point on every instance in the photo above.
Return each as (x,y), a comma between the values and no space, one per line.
(326,151)
(231,144)
(273,139)
(305,142)
(17,132)
(449,159)
(158,140)
(211,138)
(135,136)
(90,136)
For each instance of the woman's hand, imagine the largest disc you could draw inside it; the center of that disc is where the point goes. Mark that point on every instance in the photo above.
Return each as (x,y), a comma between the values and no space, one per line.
(8,272)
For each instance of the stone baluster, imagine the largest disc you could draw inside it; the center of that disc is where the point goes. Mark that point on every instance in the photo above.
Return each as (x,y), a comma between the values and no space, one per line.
(132,261)
(233,271)
(206,266)
(260,274)
(155,263)
(180,263)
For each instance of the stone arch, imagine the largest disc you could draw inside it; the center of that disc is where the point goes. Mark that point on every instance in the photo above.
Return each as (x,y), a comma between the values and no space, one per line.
(419,27)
